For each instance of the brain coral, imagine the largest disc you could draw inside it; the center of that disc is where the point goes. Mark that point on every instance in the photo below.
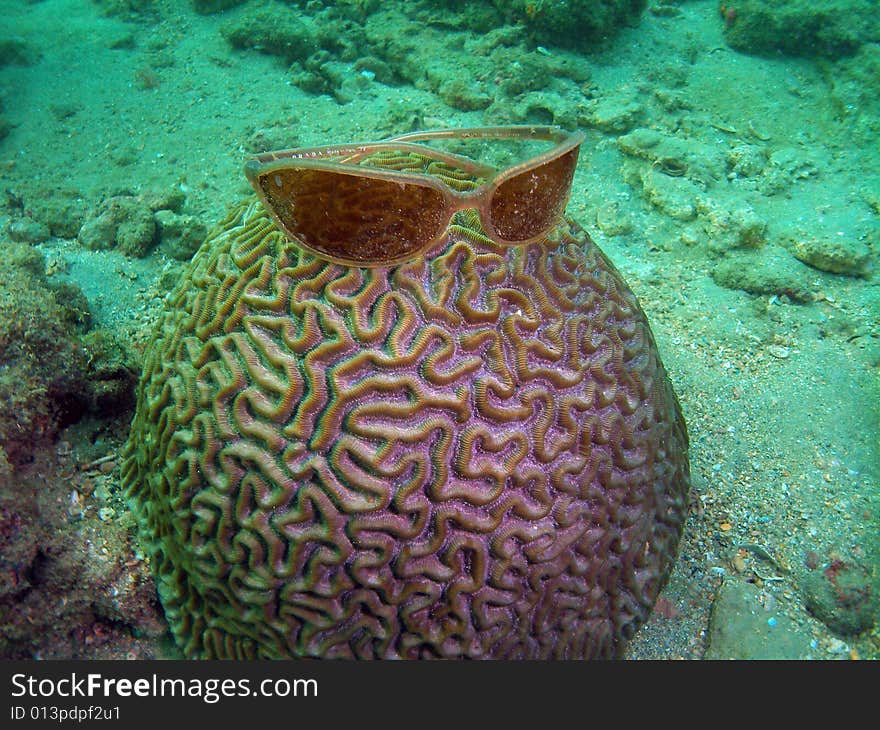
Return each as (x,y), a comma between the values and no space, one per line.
(476,454)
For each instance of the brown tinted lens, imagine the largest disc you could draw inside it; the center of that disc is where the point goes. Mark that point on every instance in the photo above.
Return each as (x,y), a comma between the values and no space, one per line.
(354,219)
(529,204)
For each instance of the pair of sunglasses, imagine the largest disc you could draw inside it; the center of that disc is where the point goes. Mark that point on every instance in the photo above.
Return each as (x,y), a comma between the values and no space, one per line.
(388,202)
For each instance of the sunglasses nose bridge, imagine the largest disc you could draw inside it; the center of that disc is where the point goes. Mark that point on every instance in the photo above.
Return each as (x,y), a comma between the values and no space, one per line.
(477,200)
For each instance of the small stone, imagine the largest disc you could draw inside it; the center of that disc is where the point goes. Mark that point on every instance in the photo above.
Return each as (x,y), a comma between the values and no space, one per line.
(171,198)
(75,507)
(779,351)
(809,29)
(739,564)
(842,596)
(729,230)
(614,115)
(740,627)
(836,646)
(673,196)
(674,156)
(747,160)
(123,221)
(106,513)
(636,143)
(62,210)
(98,233)
(14,51)
(136,234)
(768,270)
(871,195)
(840,255)
(612,220)
(180,235)
(264,29)
(461,94)
(209,7)
(544,104)
(689,237)
(28,230)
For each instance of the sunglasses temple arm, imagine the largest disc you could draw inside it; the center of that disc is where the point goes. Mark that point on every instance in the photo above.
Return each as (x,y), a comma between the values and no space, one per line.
(463,163)
(311,153)
(524,131)
(353,154)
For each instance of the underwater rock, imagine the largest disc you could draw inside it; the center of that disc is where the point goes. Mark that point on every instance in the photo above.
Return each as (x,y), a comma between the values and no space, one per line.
(460,94)
(171,198)
(517,70)
(69,588)
(747,160)
(28,230)
(5,124)
(134,224)
(377,69)
(674,156)
(674,196)
(579,24)
(613,219)
(63,211)
(829,28)
(574,24)
(498,68)
(731,229)
(277,136)
(870,193)
(321,74)
(130,10)
(112,374)
(99,231)
(75,309)
(614,114)
(16,52)
(837,255)
(768,270)
(742,628)
(478,16)
(209,7)
(180,235)
(785,166)
(543,107)
(855,91)
(842,595)
(124,222)
(476,454)
(274,29)
(666,9)
(43,381)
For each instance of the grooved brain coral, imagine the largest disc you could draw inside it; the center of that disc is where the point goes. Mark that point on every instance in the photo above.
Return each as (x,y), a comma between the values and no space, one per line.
(477,454)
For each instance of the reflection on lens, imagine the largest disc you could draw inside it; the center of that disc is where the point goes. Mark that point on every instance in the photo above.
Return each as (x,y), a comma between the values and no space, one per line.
(351,218)
(528,204)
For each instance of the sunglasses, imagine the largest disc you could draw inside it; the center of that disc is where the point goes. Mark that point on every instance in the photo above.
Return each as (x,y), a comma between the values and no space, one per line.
(387,202)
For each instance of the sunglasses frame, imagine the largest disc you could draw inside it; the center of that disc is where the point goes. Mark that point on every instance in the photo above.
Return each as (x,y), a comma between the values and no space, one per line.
(479,199)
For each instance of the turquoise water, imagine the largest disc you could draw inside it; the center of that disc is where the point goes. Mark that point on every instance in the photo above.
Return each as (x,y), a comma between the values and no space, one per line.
(729,172)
